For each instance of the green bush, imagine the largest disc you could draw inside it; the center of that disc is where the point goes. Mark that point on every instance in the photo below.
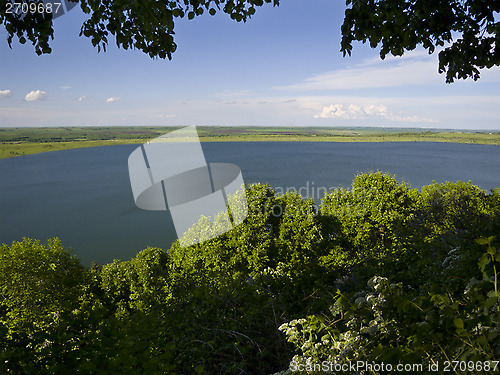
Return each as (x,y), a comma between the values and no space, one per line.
(393,324)
(380,273)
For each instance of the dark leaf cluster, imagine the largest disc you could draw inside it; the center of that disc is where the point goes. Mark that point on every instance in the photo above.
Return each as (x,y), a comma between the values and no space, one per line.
(466,31)
(146,25)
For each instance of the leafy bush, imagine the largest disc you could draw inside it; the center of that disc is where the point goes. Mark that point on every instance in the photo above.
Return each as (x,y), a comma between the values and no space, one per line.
(393,324)
(380,273)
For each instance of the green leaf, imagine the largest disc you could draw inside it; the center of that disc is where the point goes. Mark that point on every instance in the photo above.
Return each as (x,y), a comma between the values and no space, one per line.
(482,241)
(490,302)
(459,323)
(484,261)
(493,293)
(492,250)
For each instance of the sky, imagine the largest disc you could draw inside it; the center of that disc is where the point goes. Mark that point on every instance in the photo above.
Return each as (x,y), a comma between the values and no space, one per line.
(281,68)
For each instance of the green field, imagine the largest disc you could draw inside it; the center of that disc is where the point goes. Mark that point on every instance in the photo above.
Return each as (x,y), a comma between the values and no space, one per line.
(25,141)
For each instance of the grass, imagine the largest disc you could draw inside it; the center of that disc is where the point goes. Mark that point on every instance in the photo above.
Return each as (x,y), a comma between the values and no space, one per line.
(8,150)
(25,141)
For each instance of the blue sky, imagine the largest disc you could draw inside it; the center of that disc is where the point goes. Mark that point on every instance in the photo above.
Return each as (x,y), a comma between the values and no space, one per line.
(282,68)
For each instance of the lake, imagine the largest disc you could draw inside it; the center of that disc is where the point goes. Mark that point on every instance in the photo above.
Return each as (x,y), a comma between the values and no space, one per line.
(83,196)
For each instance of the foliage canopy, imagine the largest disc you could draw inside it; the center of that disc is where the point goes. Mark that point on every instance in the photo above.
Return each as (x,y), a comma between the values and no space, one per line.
(145,25)
(378,273)
(467,30)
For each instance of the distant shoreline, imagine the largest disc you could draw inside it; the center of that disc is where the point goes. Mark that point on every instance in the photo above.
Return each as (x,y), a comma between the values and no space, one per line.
(25,141)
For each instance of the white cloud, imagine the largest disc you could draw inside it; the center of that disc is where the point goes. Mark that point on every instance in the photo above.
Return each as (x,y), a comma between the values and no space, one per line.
(5,94)
(81,98)
(65,87)
(161,117)
(36,95)
(338,111)
(231,94)
(416,69)
(451,111)
(358,112)
(112,99)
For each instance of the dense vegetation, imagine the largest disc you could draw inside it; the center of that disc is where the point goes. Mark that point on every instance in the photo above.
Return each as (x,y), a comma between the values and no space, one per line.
(378,273)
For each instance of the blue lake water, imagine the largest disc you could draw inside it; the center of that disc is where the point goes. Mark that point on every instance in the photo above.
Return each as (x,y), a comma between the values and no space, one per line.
(83,196)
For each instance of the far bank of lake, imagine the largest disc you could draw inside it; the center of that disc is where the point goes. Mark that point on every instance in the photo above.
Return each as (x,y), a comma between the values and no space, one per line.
(26,141)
